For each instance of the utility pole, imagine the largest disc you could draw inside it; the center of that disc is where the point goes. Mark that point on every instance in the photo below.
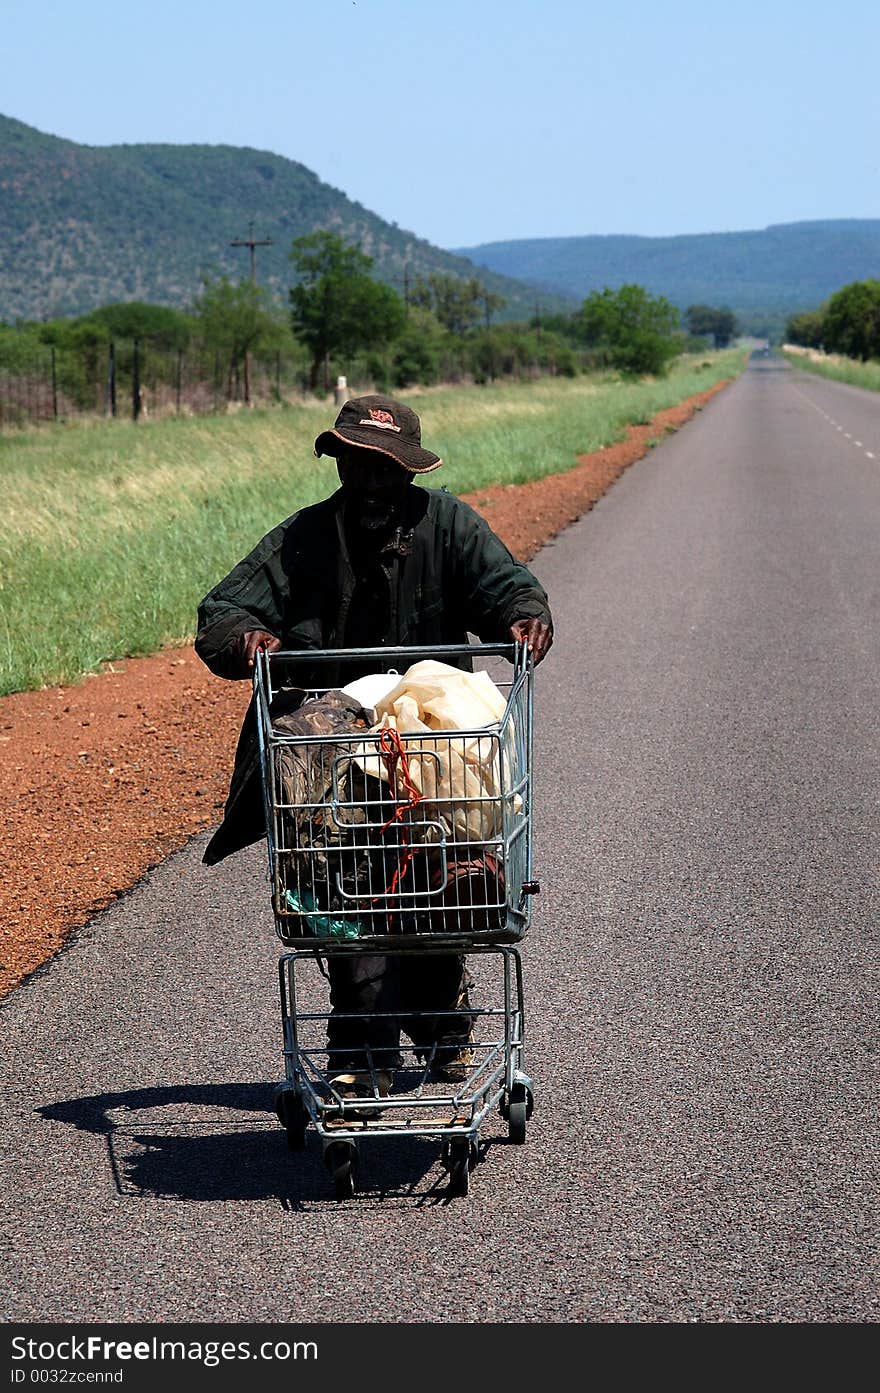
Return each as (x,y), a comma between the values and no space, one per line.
(252,243)
(405,281)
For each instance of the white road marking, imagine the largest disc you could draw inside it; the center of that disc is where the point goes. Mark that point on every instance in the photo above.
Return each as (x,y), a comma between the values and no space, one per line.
(831,421)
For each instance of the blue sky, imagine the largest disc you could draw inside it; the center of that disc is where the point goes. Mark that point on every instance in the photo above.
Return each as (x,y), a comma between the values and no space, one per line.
(471,122)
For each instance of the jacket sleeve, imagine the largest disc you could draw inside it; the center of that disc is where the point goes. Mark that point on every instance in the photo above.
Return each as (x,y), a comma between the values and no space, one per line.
(493,589)
(252,596)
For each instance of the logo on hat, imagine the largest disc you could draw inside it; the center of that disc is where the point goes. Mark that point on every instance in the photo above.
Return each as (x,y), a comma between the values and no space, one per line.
(383,419)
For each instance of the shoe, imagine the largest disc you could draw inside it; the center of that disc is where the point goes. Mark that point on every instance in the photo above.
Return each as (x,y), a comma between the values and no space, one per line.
(362,1084)
(456,1066)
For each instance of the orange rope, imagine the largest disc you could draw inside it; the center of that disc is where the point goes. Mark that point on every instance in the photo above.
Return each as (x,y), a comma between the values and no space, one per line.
(393,756)
(392,753)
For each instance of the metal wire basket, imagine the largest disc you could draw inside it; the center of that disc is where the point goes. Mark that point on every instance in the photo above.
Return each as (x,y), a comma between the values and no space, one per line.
(378,838)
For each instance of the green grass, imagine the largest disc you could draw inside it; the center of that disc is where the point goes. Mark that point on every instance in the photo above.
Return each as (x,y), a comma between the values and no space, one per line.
(840,369)
(110,533)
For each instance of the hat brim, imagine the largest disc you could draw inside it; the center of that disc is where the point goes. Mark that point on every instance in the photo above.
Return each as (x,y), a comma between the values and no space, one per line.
(411,457)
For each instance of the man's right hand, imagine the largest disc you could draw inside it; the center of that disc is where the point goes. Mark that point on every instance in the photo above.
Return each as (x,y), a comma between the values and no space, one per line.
(247,645)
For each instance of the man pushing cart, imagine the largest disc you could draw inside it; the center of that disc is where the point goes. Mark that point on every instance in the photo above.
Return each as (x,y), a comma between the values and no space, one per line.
(406,572)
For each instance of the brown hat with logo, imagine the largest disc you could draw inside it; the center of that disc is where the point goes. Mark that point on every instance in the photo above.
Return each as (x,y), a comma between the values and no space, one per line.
(383,424)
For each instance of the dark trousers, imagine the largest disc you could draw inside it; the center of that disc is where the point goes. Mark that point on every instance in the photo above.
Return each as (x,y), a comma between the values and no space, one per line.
(397,983)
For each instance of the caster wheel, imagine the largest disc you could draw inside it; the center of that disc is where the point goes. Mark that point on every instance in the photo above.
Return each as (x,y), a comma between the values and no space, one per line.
(278,1101)
(340,1159)
(458,1158)
(516,1123)
(459,1177)
(295,1124)
(293,1117)
(519,1110)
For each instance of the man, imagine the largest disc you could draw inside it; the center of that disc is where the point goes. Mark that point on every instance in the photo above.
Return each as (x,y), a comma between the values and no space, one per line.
(379,563)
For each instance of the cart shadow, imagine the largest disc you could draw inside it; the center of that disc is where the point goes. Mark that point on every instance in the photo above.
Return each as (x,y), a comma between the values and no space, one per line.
(180,1143)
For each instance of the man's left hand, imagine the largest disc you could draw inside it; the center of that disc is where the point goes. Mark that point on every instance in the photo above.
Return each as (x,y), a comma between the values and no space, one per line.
(536,633)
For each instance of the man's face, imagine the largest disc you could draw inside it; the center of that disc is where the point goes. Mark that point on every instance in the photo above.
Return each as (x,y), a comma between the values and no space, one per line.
(374,482)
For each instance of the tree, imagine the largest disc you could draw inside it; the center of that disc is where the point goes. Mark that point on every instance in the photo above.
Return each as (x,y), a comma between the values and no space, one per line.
(235,321)
(703,321)
(336,306)
(458,304)
(133,319)
(490,303)
(637,332)
(806,329)
(82,345)
(418,350)
(851,323)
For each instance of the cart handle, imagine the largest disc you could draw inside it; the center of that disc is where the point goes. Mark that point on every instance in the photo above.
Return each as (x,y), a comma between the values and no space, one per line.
(480,650)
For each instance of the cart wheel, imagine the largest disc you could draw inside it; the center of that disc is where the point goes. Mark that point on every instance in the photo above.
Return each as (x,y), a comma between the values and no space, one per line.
(278,1101)
(516,1123)
(458,1157)
(340,1159)
(296,1121)
(293,1117)
(459,1177)
(519,1110)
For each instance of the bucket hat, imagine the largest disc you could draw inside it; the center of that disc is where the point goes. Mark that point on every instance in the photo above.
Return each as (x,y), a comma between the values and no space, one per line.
(383,424)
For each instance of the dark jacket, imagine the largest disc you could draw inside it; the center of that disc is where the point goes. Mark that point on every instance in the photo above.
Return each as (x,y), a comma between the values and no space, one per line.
(441,574)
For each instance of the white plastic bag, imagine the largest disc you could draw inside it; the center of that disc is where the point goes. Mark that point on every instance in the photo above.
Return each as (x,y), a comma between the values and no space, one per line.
(458,777)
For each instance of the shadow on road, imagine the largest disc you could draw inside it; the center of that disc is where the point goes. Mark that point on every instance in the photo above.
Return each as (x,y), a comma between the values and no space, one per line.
(185,1143)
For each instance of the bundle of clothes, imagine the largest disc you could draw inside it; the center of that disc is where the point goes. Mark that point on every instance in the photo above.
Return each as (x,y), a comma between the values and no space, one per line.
(391,833)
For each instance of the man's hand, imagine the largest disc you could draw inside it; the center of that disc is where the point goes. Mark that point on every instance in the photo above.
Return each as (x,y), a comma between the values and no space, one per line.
(536,633)
(246,646)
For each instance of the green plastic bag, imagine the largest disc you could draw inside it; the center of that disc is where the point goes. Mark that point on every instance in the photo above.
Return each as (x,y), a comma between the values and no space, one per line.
(321,925)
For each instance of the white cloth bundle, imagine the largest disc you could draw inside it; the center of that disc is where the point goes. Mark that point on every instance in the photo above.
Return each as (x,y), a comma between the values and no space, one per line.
(459,777)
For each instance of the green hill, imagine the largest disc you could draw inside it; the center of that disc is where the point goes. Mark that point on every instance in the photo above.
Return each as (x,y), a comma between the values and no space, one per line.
(792,266)
(81,226)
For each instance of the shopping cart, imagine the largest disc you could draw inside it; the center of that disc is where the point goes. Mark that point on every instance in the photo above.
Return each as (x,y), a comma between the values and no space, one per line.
(399,843)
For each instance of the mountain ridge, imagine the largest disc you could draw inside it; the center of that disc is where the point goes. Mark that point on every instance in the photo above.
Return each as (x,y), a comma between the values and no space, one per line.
(84,225)
(783,267)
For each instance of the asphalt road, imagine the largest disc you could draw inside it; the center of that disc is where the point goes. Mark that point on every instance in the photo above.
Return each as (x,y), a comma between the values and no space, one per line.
(701,978)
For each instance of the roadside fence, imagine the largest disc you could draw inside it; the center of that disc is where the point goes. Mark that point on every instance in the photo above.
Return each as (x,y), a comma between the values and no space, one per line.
(135,380)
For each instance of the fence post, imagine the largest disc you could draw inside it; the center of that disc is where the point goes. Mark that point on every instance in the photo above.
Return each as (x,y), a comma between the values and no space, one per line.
(178,378)
(54,387)
(111,377)
(136,381)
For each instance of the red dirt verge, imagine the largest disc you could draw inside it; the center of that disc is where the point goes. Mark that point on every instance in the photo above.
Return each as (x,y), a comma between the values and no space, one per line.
(102,780)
